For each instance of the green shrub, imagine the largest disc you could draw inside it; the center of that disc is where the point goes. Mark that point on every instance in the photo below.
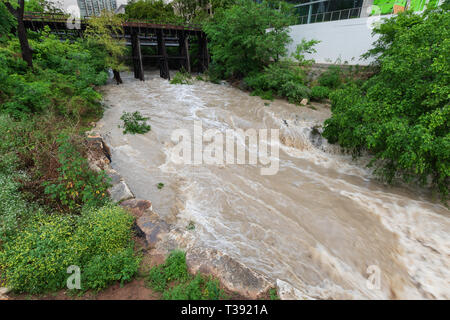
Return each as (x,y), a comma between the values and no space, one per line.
(273,294)
(185,287)
(319,93)
(294,91)
(14,210)
(332,78)
(36,259)
(77,185)
(283,78)
(199,288)
(134,123)
(174,269)
(182,77)
(62,79)
(239,39)
(401,114)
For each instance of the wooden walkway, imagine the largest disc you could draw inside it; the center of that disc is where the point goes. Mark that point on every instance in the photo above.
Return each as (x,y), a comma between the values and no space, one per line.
(137,32)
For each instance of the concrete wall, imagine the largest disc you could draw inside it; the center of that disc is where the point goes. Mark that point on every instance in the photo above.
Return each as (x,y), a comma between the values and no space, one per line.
(344,39)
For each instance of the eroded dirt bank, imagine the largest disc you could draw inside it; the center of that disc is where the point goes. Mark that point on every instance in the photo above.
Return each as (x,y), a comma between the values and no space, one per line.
(318,224)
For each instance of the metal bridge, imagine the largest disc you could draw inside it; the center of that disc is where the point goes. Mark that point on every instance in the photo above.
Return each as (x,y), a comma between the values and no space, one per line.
(137,33)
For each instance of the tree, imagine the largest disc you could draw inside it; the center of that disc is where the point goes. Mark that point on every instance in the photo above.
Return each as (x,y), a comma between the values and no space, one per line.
(154,10)
(7,21)
(106,31)
(247,37)
(17,11)
(402,114)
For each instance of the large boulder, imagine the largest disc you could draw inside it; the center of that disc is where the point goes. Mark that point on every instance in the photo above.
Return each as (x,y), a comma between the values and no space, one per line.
(137,207)
(120,192)
(232,274)
(152,228)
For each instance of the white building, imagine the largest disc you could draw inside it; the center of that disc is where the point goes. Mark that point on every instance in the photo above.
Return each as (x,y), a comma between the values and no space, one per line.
(95,7)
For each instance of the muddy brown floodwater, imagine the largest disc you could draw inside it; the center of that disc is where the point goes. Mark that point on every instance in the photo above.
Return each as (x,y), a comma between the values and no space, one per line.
(323,223)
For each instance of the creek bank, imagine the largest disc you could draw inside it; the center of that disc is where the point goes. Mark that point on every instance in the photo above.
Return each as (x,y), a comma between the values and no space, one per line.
(161,237)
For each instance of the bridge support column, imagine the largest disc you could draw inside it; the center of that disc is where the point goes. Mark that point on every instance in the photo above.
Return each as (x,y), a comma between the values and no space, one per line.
(137,57)
(164,61)
(203,53)
(184,50)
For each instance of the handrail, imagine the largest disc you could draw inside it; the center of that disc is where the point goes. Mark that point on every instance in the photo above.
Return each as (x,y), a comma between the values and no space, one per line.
(61,17)
(331,16)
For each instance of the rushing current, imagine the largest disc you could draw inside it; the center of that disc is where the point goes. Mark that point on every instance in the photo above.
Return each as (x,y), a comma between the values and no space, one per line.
(323,223)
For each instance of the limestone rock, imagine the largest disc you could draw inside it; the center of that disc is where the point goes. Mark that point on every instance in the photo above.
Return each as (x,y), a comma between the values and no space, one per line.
(3,293)
(137,207)
(114,175)
(232,274)
(287,292)
(152,228)
(120,192)
(304,102)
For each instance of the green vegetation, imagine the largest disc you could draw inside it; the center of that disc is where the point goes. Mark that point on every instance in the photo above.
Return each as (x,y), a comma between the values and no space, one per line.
(238,41)
(160,185)
(401,114)
(76,186)
(273,294)
(99,241)
(54,211)
(173,280)
(283,78)
(134,123)
(332,78)
(242,48)
(320,93)
(191,225)
(182,77)
(155,10)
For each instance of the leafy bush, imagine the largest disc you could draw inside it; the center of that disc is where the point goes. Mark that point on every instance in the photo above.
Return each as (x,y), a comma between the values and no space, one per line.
(134,123)
(239,41)
(14,210)
(62,79)
(402,113)
(283,78)
(76,184)
(185,287)
(174,269)
(99,242)
(182,77)
(303,48)
(155,10)
(319,93)
(332,78)
(199,288)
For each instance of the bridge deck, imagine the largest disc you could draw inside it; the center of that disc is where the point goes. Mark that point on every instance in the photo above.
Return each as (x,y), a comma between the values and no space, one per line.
(155,34)
(37,20)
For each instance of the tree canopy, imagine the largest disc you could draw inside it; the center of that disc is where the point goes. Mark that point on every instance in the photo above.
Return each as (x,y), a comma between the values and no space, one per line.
(239,39)
(401,115)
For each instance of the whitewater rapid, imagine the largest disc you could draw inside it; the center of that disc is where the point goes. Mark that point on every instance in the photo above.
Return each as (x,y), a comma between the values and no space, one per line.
(323,223)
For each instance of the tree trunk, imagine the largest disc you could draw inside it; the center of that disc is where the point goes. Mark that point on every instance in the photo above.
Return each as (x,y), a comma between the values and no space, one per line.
(27,54)
(117,77)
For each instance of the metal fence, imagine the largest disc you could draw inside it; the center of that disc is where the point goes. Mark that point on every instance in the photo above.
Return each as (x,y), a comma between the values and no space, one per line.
(331,16)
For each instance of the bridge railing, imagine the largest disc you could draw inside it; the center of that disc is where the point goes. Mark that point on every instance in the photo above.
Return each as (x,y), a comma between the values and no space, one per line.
(330,16)
(60,17)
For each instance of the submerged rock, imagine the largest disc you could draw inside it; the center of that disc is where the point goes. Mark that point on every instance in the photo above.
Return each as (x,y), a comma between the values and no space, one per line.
(287,292)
